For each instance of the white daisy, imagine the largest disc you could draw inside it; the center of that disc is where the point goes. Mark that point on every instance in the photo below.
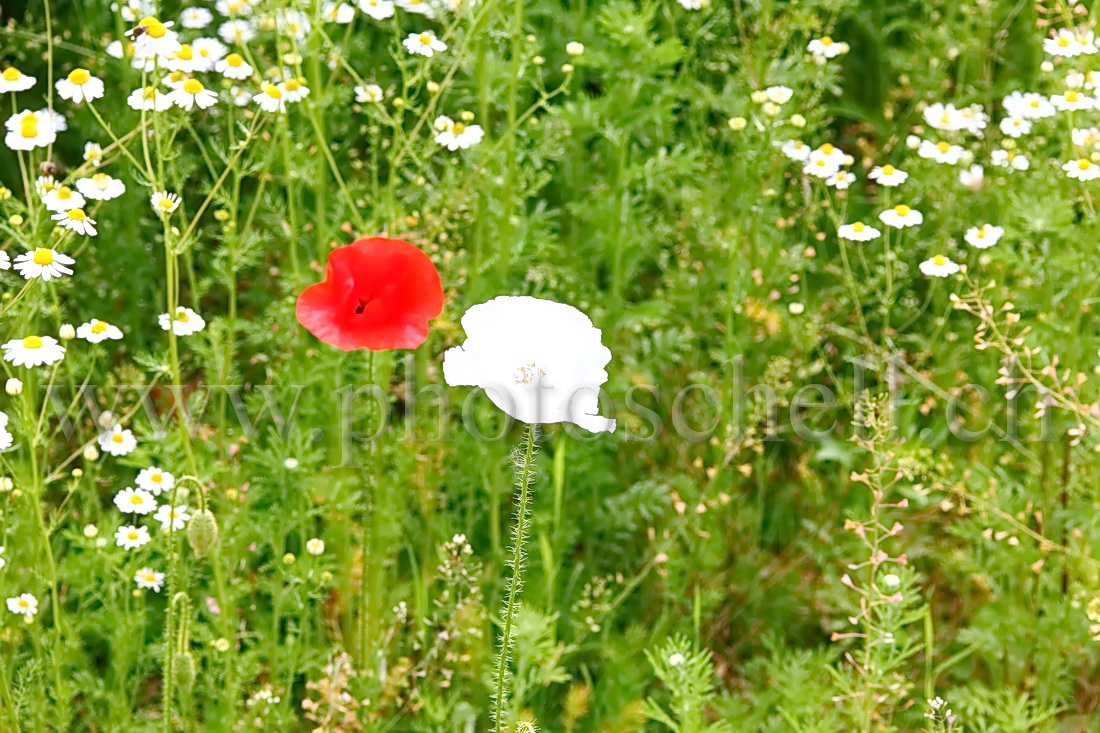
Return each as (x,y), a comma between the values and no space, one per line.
(424,44)
(826,47)
(130,537)
(100,187)
(840,180)
(63,198)
(1082,169)
(1015,126)
(117,441)
(1010,159)
(23,605)
(294,90)
(33,351)
(185,323)
(820,167)
(939,266)
(76,220)
(237,32)
(1068,43)
(1071,101)
(193,93)
(135,501)
(150,99)
(985,236)
(172,519)
(148,579)
(6,441)
(79,86)
(233,66)
(377,9)
(164,202)
(368,94)
(231,8)
(157,39)
(857,232)
(419,7)
(941,152)
(888,175)
(1028,105)
(95,331)
(131,10)
(187,61)
(796,150)
(14,80)
(901,216)
(830,154)
(295,24)
(779,94)
(195,17)
(93,153)
(210,49)
(1085,136)
(47,264)
(155,480)
(459,135)
(944,117)
(337,13)
(972,177)
(29,130)
(270,98)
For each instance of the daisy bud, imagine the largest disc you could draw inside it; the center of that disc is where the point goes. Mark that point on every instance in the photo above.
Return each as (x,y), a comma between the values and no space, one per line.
(185,670)
(567,68)
(466,115)
(290,463)
(67,332)
(433,87)
(538,61)
(315,546)
(5,193)
(289,558)
(891,581)
(796,309)
(798,120)
(222,644)
(738,123)
(1046,66)
(574,49)
(399,102)
(15,220)
(221,215)
(202,533)
(771,109)
(90,531)
(759,97)
(90,453)
(13,387)
(6,484)
(76,473)
(326,577)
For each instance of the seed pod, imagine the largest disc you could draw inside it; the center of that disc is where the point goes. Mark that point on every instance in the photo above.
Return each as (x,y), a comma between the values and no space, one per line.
(184,670)
(202,533)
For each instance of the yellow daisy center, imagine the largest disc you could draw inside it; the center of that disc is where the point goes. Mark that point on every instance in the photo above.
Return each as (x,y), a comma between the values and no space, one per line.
(12,74)
(193,86)
(292,85)
(149,93)
(156,478)
(101,181)
(153,27)
(826,41)
(235,60)
(132,535)
(43,256)
(79,76)
(135,499)
(827,149)
(77,215)
(939,260)
(888,170)
(28,126)
(186,53)
(1083,164)
(458,129)
(117,438)
(98,326)
(1071,96)
(943,147)
(858,226)
(167,203)
(64,193)
(426,39)
(273,91)
(1063,42)
(32,342)
(901,210)
(182,317)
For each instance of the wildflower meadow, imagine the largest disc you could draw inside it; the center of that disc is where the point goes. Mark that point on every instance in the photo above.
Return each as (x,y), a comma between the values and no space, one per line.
(472,366)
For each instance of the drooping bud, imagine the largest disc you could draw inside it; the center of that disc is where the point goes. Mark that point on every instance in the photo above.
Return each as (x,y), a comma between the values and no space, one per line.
(184,672)
(202,533)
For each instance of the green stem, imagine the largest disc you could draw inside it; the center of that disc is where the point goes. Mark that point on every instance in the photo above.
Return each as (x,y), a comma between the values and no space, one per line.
(519,540)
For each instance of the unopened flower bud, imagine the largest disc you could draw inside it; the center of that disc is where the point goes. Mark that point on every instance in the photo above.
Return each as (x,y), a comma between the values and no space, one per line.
(13,387)
(574,48)
(202,533)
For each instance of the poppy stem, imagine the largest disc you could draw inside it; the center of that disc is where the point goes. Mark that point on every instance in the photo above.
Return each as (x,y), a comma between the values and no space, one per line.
(524,472)
(364,537)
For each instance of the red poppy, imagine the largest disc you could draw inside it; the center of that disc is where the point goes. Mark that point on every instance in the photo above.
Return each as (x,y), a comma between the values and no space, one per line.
(377,294)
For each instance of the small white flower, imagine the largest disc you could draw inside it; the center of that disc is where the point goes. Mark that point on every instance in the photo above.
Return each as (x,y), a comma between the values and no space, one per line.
(901,216)
(135,501)
(63,198)
(1029,105)
(29,130)
(553,376)
(185,323)
(195,17)
(831,154)
(820,167)
(941,152)
(233,66)
(172,519)
(148,579)
(972,177)
(796,150)
(944,117)
(79,86)
(149,99)
(826,47)
(368,94)
(841,180)
(13,387)
(419,7)
(117,441)
(77,221)
(424,44)
(95,331)
(1085,136)
(233,8)
(157,39)
(939,266)
(23,605)
(164,202)
(1068,43)
(6,441)
(187,61)
(131,10)
(459,135)
(676,660)
(1072,100)
(377,9)
(1015,126)
(779,94)
(1010,159)
(5,261)
(1082,169)
(193,93)
(14,80)
(33,351)
(315,546)
(44,263)
(270,98)
(93,153)
(100,187)
(857,232)
(888,175)
(210,49)
(236,32)
(341,13)
(984,236)
(155,480)
(130,537)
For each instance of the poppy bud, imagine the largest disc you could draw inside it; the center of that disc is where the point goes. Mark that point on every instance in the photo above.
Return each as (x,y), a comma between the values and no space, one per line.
(184,670)
(202,533)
